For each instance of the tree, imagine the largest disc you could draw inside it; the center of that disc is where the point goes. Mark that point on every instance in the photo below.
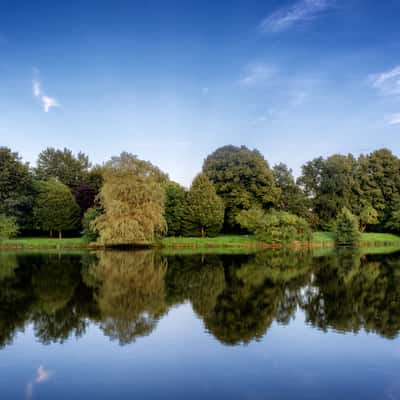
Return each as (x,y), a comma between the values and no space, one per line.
(347,228)
(379,176)
(368,216)
(204,209)
(63,165)
(55,207)
(242,178)
(174,213)
(90,232)
(292,198)
(331,184)
(16,188)
(8,227)
(132,197)
(393,223)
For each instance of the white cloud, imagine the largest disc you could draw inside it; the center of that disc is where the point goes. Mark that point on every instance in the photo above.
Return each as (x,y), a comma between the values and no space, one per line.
(47,101)
(286,18)
(393,119)
(387,82)
(257,74)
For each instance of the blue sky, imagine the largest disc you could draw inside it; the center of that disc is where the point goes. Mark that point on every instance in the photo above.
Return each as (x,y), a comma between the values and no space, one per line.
(171,81)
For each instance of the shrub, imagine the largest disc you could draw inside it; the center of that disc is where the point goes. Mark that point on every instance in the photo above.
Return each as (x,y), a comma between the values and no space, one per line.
(8,227)
(347,228)
(90,232)
(275,226)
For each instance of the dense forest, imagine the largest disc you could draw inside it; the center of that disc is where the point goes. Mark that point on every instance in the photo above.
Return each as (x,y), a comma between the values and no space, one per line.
(127,200)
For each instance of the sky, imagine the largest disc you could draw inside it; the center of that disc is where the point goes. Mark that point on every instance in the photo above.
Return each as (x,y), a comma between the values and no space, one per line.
(171,81)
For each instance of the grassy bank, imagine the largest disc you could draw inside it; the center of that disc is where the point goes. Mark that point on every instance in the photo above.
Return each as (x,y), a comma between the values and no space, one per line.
(43,243)
(249,242)
(320,239)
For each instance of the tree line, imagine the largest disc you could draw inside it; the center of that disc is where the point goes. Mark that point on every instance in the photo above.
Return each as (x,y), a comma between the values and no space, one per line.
(128,201)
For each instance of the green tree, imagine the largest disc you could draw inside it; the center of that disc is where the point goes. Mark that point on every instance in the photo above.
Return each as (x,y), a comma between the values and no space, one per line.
(242,178)
(204,209)
(90,232)
(368,216)
(347,228)
(55,207)
(292,198)
(174,213)
(132,198)
(8,227)
(393,223)
(63,165)
(379,176)
(331,184)
(16,188)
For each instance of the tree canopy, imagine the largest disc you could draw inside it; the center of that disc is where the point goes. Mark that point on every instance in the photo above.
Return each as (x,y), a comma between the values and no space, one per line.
(242,178)
(55,207)
(132,197)
(204,214)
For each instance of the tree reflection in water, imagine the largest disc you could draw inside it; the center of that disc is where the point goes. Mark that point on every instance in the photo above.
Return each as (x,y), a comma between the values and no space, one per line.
(238,297)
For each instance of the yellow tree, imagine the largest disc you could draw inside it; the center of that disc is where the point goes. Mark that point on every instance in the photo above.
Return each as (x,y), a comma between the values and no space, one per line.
(132,197)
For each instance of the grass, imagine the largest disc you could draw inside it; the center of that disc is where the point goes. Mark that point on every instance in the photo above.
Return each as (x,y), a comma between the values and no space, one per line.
(231,242)
(320,239)
(39,242)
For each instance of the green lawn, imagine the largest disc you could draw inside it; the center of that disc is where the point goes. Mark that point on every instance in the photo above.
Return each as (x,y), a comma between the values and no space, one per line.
(219,241)
(37,242)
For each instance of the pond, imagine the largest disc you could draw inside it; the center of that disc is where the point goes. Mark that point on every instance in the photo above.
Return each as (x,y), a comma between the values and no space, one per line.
(145,325)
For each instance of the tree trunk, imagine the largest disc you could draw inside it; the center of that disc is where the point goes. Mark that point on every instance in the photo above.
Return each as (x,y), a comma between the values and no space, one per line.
(59,235)
(202,232)
(51,233)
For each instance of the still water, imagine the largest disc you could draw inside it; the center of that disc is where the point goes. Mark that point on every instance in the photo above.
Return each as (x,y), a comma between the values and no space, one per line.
(142,325)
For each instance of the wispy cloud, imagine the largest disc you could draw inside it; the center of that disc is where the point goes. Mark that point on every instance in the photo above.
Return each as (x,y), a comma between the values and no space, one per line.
(387,82)
(257,74)
(288,17)
(393,119)
(47,101)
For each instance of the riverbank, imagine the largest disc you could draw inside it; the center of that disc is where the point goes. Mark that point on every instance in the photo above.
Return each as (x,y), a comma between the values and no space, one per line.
(320,239)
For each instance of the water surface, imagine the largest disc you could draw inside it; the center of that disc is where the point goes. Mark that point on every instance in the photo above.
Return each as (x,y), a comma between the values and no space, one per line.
(141,325)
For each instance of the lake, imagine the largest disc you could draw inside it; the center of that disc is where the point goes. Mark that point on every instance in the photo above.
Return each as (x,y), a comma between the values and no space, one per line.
(143,325)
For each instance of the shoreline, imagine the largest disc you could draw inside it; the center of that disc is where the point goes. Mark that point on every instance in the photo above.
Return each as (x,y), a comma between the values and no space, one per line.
(239,242)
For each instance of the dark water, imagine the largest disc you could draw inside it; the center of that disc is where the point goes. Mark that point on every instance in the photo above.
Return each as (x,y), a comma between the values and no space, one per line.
(140,325)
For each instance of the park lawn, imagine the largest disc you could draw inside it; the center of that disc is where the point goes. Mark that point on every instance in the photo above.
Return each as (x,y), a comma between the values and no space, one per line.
(40,242)
(237,241)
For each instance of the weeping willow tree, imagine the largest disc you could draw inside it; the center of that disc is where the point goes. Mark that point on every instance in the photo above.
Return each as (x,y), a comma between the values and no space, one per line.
(132,197)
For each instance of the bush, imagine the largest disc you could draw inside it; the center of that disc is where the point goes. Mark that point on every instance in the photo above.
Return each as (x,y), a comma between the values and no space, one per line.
(275,226)
(347,228)
(90,232)
(8,227)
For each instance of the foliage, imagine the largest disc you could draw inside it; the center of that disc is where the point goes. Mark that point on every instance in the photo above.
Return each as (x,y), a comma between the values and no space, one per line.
(292,198)
(55,207)
(63,165)
(16,188)
(85,196)
(380,182)
(90,232)
(8,227)
(275,226)
(368,216)
(132,197)
(204,213)
(347,228)
(174,212)
(242,178)
(331,184)
(393,223)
